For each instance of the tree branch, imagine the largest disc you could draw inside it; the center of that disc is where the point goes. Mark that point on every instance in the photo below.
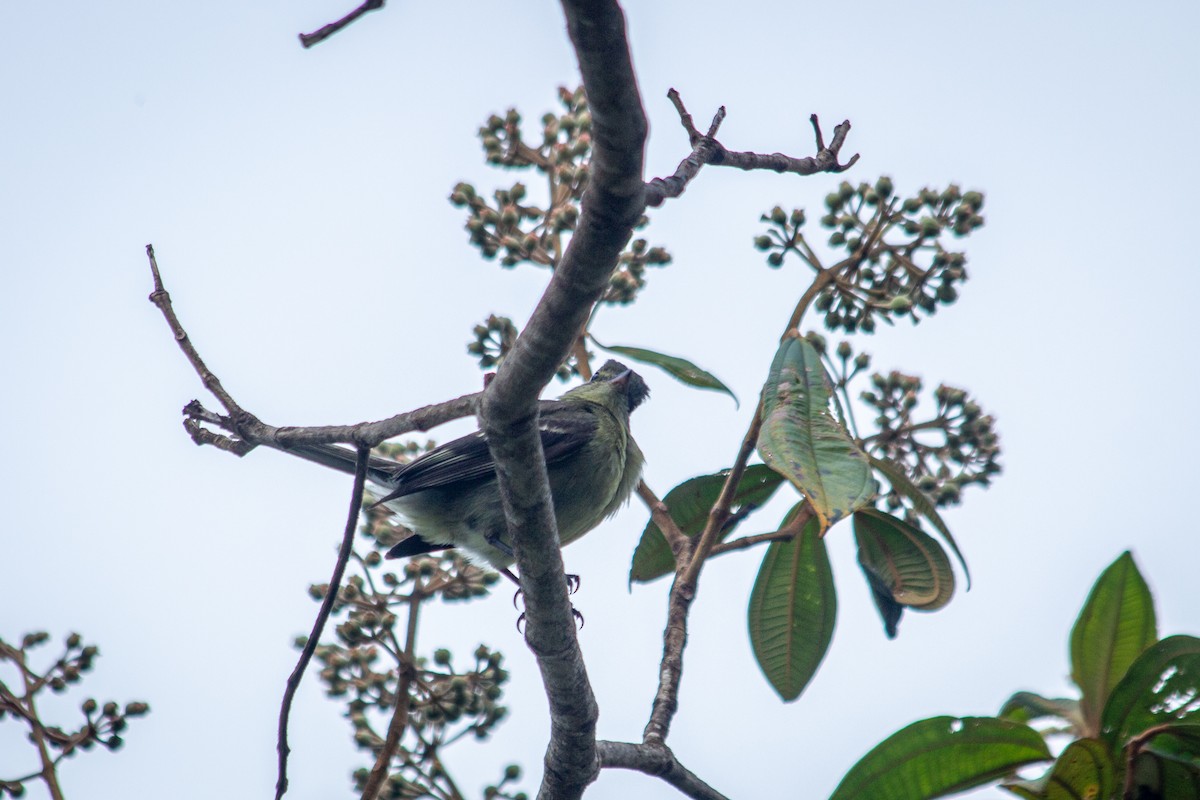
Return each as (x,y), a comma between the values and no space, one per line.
(707,150)
(657,761)
(676,538)
(325,31)
(683,592)
(785,533)
(611,205)
(249,432)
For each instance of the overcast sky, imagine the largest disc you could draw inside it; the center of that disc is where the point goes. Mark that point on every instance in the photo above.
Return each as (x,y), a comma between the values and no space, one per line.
(297,201)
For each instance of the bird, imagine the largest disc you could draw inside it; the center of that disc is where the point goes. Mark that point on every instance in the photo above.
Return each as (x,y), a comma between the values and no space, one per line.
(450,498)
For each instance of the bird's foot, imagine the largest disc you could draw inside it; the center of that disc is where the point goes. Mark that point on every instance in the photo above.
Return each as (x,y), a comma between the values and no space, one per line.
(574,613)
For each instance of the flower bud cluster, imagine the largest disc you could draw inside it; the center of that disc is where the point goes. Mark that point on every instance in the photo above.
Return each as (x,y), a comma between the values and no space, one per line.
(895,259)
(956,447)
(515,229)
(103,723)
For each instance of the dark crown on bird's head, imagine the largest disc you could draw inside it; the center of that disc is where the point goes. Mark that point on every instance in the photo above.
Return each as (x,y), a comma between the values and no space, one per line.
(636,390)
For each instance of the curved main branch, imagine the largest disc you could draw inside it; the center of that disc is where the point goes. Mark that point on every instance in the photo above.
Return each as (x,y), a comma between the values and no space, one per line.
(612,204)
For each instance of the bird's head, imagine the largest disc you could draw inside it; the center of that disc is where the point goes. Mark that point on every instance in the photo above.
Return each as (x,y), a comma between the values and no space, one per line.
(613,380)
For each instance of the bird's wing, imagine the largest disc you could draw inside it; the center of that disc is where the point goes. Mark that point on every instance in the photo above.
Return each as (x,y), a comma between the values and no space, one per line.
(565,428)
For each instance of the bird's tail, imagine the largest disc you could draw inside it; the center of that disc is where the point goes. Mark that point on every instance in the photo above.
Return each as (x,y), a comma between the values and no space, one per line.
(380,471)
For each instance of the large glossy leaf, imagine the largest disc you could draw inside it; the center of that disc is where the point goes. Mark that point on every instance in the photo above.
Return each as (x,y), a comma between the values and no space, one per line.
(909,562)
(801,440)
(680,369)
(1161,687)
(689,503)
(899,480)
(941,756)
(793,608)
(1116,624)
(1083,771)
(1030,706)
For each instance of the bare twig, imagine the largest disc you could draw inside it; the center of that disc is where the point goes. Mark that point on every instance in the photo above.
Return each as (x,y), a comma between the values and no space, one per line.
(658,761)
(786,533)
(707,150)
(325,31)
(161,299)
(676,538)
(310,646)
(48,773)
(249,432)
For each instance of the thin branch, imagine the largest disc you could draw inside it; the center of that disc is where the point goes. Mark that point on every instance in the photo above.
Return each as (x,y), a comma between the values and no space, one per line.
(48,774)
(310,646)
(249,432)
(161,299)
(325,31)
(784,534)
(657,761)
(683,592)
(707,150)
(823,279)
(719,514)
(399,721)
(676,538)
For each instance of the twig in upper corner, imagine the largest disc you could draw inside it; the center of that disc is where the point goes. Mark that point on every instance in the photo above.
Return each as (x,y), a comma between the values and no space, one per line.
(707,150)
(325,31)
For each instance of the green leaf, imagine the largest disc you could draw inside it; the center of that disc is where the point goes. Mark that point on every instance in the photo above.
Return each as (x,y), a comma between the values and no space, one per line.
(941,756)
(1162,686)
(906,560)
(689,504)
(1179,743)
(1083,770)
(680,369)
(1116,624)
(889,610)
(801,440)
(1029,706)
(793,608)
(898,478)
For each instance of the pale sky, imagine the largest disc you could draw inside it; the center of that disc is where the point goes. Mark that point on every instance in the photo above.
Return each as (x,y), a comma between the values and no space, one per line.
(297,202)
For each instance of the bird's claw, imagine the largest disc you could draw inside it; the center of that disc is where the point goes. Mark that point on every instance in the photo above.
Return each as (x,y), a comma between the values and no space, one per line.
(574,613)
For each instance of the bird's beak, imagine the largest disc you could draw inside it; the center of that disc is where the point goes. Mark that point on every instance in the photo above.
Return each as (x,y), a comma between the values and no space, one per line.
(622,380)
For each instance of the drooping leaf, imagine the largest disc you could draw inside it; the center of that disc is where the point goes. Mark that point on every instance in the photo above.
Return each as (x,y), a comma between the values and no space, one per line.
(793,608)
(889,610)
(680,369)
(801,440)
(1083,770)
(940,756)
(1116,624)
(689,504)
(899,481)
(908,562)
(1030,706)
(1161,687)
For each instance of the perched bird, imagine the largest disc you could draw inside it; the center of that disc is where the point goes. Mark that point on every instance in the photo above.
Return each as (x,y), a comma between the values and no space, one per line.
(449,495)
